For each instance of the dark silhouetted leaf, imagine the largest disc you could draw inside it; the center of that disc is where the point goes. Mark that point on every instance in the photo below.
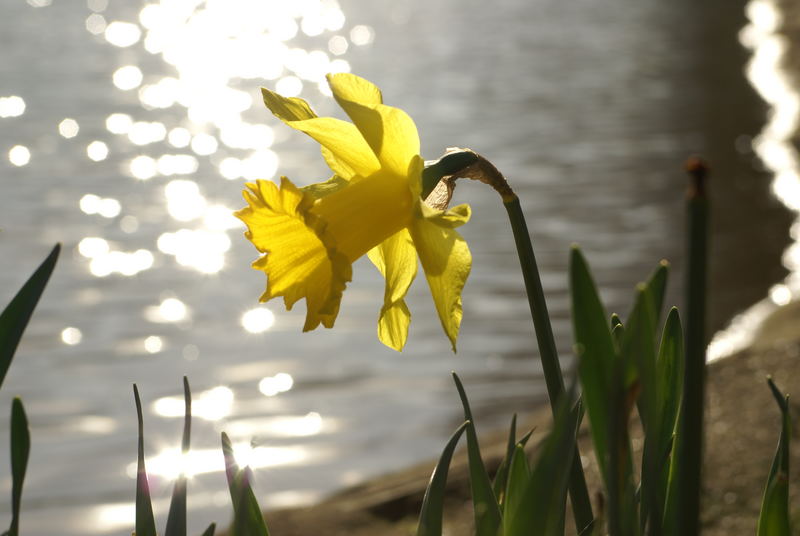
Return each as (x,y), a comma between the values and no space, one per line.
(17,313)
(176,519)
(145,522)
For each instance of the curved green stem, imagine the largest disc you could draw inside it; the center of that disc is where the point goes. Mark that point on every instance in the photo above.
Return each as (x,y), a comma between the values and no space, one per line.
(439,179)
(579,495)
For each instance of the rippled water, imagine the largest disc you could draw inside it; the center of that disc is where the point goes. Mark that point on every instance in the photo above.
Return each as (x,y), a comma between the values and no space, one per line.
(126,132)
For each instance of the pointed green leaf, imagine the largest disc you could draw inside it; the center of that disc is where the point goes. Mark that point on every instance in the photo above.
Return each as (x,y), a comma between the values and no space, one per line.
(486,509)
(17,313)
(501,477)
(595,350)
(638,348)
(542,507)
(145,522)
(657,288)
(774,517)
(669,373)
(247,517)
(210,530)
(176,519)
(519,476)
(430,516)
(20,450)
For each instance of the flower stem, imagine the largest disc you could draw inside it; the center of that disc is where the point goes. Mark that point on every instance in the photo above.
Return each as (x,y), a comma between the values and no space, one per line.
(579,495)
(690,444)
(465,163)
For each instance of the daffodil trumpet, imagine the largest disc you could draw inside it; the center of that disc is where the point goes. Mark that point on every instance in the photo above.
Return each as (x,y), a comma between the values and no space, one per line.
(309,237)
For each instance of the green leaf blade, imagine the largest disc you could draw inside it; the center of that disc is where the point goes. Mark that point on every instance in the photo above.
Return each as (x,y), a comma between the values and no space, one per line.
(516,512)
(486,509)
(247,517)
(432,512)
(145,522)
(176,519)
(595,349)
(20,452)
(774,518)
(14,318)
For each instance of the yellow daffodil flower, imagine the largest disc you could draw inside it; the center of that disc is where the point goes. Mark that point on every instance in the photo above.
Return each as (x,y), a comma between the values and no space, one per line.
(311,236)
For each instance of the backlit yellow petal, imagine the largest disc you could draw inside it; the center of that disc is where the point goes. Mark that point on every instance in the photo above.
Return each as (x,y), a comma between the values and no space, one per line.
(396,259)
(287,108)
(346,145)
(454,217)
(365,213)
(310,236)
(393,325)
(399,141)
(446,261)
(299,259)
(351,88)
(319,190)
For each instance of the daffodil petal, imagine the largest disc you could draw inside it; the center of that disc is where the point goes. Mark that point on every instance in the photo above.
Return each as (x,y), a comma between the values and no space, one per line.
(299,260)
(446,261)
(319,190)
(393,325)
(396,259)
(287,108)
(390,133)
(351,88)
(453,217)
(339,167)
(348,153)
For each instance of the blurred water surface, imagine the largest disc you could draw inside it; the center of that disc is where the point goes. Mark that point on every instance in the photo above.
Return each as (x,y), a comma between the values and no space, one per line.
(127,130)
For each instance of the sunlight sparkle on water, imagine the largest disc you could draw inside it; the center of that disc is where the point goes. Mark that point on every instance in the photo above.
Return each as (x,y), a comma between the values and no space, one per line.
(169,310)
(200,249)
(179,137)
(362,35)
(106,207)
(273,385)
(12,106)
(204,144)
(177,164)
(259,320)
(184,201)
(93,246)
(127,264)
(113,516)
(19,155)
(97,151)
(119,123)
(153,344)
(776,149)
(307,425)
(221,218)
(97,5)
(211,405)
(144,133)
(71,336)
(127,77)
(96,24)
(122,34)
(170,462)
(68,128)
(143,167)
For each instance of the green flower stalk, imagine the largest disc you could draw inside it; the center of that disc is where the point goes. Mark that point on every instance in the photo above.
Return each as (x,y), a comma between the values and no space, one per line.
(464,163)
